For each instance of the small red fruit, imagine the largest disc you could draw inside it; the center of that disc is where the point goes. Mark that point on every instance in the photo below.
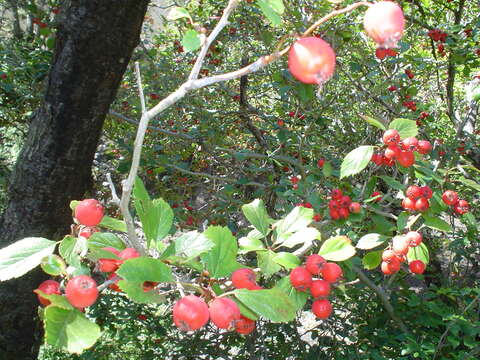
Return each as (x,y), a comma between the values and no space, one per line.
(314,264)
(408,204)
(391,152)
(345,201)
(450,197)
(317,217)
(343,213)
(410,144)
(388,255)
(336,194)
(391,267)
(334,205)
(128,253)
(320,288)
(320,163)
(224,313)
(89,212)
(384,23)
(244,279)
(381,53)
(190,313)
(300,278)
(322,308)
(422,204)
(424,147)
(294,180)
(377,193)
(391,137)
(392,88)
(414,238)
(48,287)
(461,207)
(81,291)
(406,158)
(427,192)
(417,267)
(311,60)
(109,265)
(331,272)
(355,207)
(244,325)
(334,214)
(87,232)
(400,245)
(414,192)
(149,285)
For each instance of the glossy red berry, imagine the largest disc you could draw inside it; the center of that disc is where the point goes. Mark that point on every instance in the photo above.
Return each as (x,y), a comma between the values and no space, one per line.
(320,288)
(300,278)
(244,279)
(427,192)
(89,212)
(422,204)
(343,213)
(424,147)
(406,158)
(414,238)
(417,266)
(48,287)
(314,264)
(244,325)
(384,23)
(391,152)
(391,137)
(320,163)
(400,245)
(334,214)
(81,291)
(355,207)
(190,313)
(381,53)
(322,308)
(109,265)
(461,207)
(311,60)
(128,253)
(450,197)
(414,192)
(390,267)
(408,204)
(334,205)
(86,232)
(317,217)
(410,144)
(377,193)
(388,255)
(224,313)
(336,194)
(331,272)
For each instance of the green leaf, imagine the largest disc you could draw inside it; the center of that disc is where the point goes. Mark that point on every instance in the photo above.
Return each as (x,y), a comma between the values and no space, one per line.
(287,260)
(177,13)
(256,213)
(302,236)
(356,160)
(245,310)
(371,260)
(299,298)
(337,248)
(68,250)
(113,224)
(370,241)
(249,243)
(69,330)
(156,216)
(373,122)
(192,244)
(55,300)
(419,252)
(272,304)
(23,255)
(402,220)
(391,182)
(269,12)
(145,269)
(437,224)
(221,260)
(53,265)
(474,185)
(101,240)
(266,262)
(191,40)
(299,218)
(134,290)
(405,127)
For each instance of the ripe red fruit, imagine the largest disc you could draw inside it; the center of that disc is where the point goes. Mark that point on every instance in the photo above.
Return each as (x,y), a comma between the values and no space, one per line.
(190,313)
(280,122)
(300,278)
(345,201)
(391,152)
(317,217)
(381,53)
(109,265)
(392,88)
(414,238)
(331,272)
(224,313)
(377,159)
(410,144)
(417,267)
(391,137)
(320,288)
(89,212)
(244,279)
(450,197)
(294,180)
(314,264)
(384,23)
(388,255)
(48,287)
(414,192)
(400,245)
(391,267)
(311,60)
(336,194)
(322,308)
(377,193)
(424,147)
(334,214)
(244,325)
(422,204)
(320,163)
(334,205)
(128,253)
(406,158)
(81,291)
(427,192)
(343,213)
(461,207)
(355,207)
(408,204)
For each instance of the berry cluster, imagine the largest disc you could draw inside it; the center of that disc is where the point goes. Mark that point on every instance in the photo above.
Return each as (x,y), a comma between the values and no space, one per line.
(417,198)
(341,205)
(302,280)
(382,53)
(395,255)
(460,206)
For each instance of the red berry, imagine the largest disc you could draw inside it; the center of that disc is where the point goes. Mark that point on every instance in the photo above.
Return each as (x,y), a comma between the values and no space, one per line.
(190,313)
(109,265)
(280,123)
(461,207)
(314,264)
(294,180)
(317,217)
(427,192)
(320,163)
(388,255)
(244,325)
(381,53)
(334,214)
(408,204)
(391,152)
(331,272)
(343,213)
(410,144)
(48,287)
(355,207)
(334,205)
(450,197)
(391,137)
(400,245)
(81,291)
(417,267)
(377,159)
(336,194)
(224,313)
(391,267)
(311,60)
(322,308)
(414,192)
(89,212)
(128,253)
(406,158)
(320,288)
(424,147)
(300,278)
(414,238)
(392,88)
(345,201)
(384,23)
(422,204)
(244,279)
(377,193)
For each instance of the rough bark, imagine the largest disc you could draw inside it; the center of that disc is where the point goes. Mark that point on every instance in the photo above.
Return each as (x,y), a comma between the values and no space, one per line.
(95,40)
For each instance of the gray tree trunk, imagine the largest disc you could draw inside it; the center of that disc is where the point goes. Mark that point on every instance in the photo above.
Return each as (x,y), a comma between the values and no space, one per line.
(95,41)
